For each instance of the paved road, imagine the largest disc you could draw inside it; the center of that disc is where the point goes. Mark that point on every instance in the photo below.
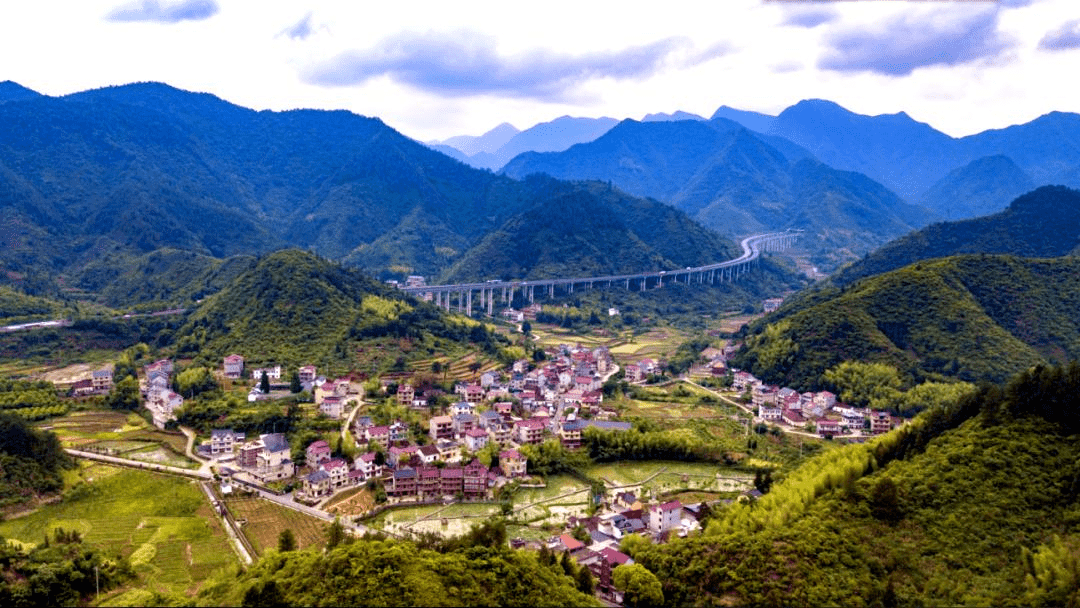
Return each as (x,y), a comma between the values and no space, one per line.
(138,464)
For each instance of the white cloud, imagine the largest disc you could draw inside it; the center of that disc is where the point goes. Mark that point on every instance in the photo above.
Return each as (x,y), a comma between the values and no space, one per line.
(168,12)
(906,42)
(1063,38)
(464,63)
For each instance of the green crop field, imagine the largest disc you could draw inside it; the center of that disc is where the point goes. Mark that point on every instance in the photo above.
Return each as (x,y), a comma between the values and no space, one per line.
(162,524)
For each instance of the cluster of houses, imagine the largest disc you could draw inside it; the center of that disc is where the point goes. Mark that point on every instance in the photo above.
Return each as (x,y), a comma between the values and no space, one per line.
(267,458)
(627,514)
(100,382)
(332,397)
(786,406)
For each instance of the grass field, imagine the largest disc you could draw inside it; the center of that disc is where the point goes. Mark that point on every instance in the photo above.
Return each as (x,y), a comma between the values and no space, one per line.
(265,521)
(163,524)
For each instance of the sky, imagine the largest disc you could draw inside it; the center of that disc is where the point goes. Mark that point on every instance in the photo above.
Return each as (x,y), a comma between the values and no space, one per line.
(434,69)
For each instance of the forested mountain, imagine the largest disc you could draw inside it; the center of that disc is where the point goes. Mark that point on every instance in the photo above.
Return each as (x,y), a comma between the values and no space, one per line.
(736,182)
(973,503)
(904,155)
(588,229)
(973,317)
(1042,223)
(92,183)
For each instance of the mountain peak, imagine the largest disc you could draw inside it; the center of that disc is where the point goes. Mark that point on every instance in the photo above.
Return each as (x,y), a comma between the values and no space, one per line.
(674,116)
(13,91)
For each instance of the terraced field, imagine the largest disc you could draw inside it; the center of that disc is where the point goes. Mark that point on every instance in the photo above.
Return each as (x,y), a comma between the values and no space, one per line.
(457,367)
(262,522)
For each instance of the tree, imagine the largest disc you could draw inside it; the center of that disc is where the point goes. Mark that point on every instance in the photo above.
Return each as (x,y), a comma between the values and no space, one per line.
(640,587)
(294,382)
(584,580)
(335,534)
(632,544)
(763,480)
(286,540)
(865,384)
(264,384)
(567,563)
(194,381)
(526,327)
(124,395)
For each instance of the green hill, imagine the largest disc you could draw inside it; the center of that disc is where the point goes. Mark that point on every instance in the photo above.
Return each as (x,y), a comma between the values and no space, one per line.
(159,278)
(982,187)
(975,317)
(975,503)
(292,307)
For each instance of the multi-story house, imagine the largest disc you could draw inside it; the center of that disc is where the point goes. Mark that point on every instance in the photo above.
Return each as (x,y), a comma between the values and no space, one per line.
(222,441)
(512,463)
(530,430)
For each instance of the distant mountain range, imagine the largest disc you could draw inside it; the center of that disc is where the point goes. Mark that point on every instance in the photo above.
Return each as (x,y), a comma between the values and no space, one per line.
(494,149)
(92,183)
(919,163)
(912,158)
(737,182)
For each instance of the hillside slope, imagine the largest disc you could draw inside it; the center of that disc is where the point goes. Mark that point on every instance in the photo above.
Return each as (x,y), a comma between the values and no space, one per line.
(1042,223)
(974,317)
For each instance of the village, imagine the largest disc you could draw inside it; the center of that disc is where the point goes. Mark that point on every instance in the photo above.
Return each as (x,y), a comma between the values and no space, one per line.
(472,450)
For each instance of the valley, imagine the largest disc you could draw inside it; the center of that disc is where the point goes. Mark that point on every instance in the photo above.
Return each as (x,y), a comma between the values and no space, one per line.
(297,357)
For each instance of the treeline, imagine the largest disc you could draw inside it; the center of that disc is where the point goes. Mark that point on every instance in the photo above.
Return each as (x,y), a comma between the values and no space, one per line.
(641,444)
(61,571)
(399,573)
(31,461)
